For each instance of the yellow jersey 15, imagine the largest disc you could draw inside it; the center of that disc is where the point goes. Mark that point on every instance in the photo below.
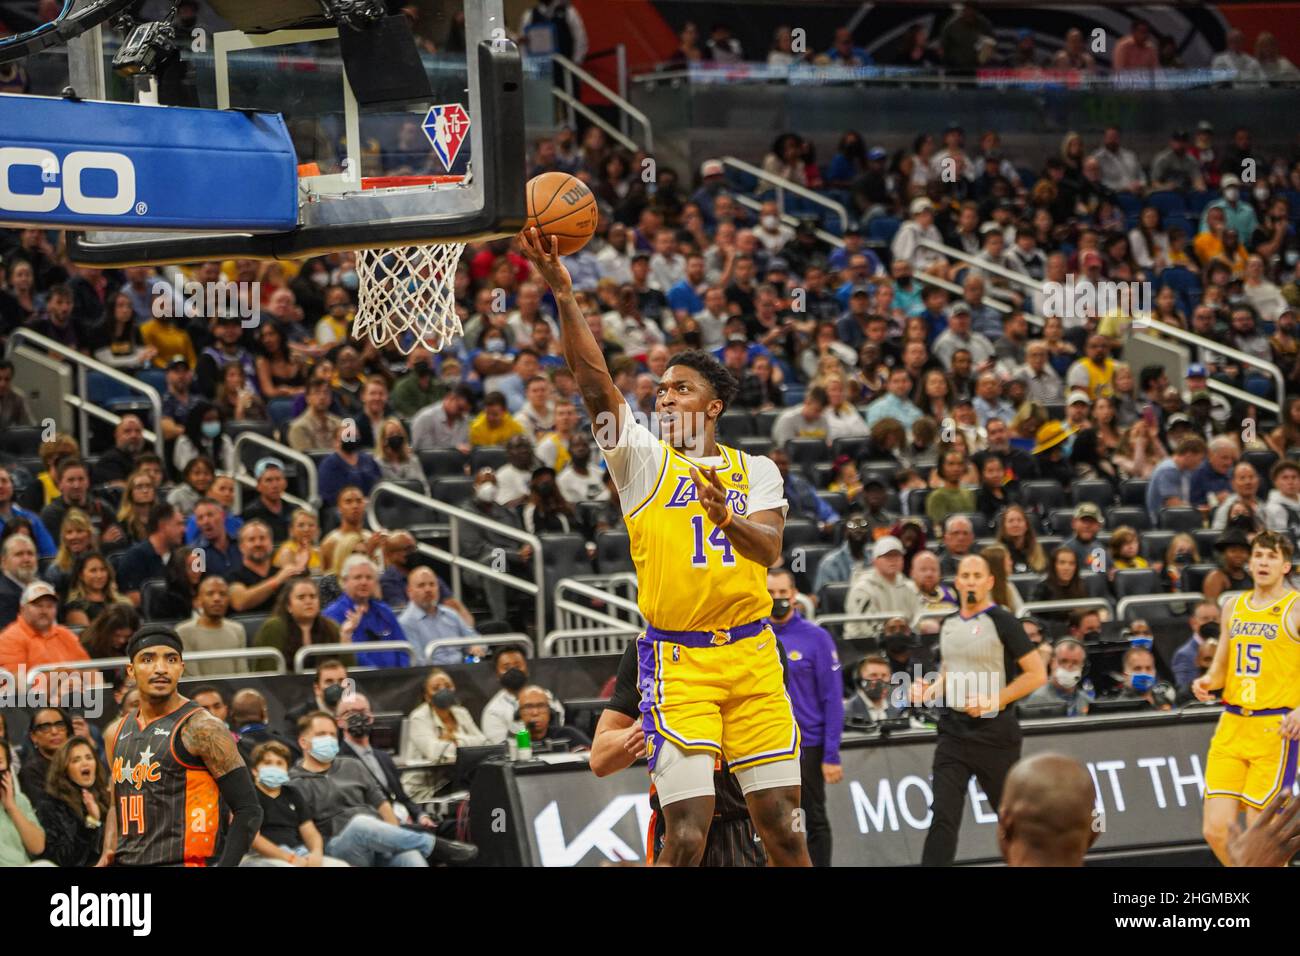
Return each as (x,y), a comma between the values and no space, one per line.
(1263,655)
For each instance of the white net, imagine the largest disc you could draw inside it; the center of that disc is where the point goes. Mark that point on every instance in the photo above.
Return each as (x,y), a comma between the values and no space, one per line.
(408,296)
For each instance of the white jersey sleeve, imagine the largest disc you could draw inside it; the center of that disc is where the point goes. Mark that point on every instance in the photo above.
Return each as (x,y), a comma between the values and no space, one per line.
(766,489)
(634,460)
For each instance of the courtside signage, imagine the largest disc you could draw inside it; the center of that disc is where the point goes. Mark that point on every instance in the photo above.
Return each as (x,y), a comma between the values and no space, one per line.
(80,164)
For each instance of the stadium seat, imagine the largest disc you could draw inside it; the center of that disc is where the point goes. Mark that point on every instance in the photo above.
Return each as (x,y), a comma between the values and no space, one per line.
(395,511)
(733,425)
(441,462)
(252,624)
(798,531)
(1205,538)
(1155,544)
(830,599)
(1130,204)
(1100,492)
(763,421)
(791,394)
(853,447)
(1194,576)
(20,440)
(805,452)
(1135,581)
(486,456)
(1168,203)
(755,445)
(1096,583)
(151,593)
(1181,519)
(1043,496)
(1060,521)
(802,560)
(1135,518)
(914,501)
(613,552)
(453,489)
(1026,583)
(882,228)
(564,555)
(1133,491)
(821,474)
(1263,460)
(1197,200)
(588,513)
(838,501)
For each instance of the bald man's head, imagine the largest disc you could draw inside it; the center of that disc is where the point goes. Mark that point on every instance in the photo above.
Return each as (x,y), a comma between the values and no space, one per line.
(1046,817)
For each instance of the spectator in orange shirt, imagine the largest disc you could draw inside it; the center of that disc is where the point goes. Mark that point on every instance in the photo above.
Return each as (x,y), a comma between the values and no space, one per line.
(36,638)
(1136,51)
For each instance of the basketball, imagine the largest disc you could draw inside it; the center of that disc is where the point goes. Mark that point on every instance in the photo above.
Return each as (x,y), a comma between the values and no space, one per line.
(562,206)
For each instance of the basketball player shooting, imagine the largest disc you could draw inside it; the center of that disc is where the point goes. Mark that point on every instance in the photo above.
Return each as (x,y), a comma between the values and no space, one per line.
(705,523)
(172,765)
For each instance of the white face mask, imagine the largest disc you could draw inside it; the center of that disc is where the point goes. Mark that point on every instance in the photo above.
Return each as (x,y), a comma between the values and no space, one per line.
(1231,194)
(486,493)
(1067,677)
(1261,193)
(771,223)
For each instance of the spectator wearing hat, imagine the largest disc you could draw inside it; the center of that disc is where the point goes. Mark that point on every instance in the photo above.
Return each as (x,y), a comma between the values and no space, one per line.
(1233,551)
(269,506)
(920,225)
(178,400)
(1175,167)
(1086,524)
(1238,213)
(1170,484)
(882,588)
(1050,452)
(35,638)
(713,182)
(959,336)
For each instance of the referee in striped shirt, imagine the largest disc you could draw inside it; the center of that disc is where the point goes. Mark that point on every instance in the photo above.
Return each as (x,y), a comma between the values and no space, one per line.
(988,663)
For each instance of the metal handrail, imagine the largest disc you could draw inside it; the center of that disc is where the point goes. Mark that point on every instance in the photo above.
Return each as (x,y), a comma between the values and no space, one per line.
(110,663)
(549,642)
(1010,275)
(597,594)
(536,587)
(572,69)
(784,185)
(1227,596)
(483,640)
(1142,600)
(790,219)
(281,451)
(876,617)
(1191,338)
(350,647)
(576,105)
(1032,607)
(83,364)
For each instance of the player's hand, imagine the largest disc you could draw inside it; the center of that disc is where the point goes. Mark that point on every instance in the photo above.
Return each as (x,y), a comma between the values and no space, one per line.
(712,496)
(544,253)
(1201,690)
(634,742)
(1274,837)
(1290,729)
(832,773)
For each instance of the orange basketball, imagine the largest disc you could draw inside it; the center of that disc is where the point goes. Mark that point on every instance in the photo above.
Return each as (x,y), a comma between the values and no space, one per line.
(562,206)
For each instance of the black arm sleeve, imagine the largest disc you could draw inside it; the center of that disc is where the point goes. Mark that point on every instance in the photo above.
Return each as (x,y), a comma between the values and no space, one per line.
(241,797)
(626,699)
(1015,642)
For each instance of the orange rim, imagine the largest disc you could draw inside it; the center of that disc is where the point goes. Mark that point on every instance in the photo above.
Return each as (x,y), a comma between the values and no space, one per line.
(396,182)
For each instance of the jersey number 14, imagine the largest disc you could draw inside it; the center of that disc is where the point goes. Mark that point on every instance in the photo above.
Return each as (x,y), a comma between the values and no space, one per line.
(717,540)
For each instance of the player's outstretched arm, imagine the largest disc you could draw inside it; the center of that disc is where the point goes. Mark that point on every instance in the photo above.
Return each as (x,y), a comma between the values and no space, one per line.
(209,739)
(581,350)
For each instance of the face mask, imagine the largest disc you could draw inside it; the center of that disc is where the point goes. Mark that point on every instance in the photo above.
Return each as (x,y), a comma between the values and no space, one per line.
(349,281)
(780,608)
(1261,194)
(874,689)
(1182,557)
(394,442)
(445,699)
(771,223)
(1140,640)
(486,493)
(422,368)
(905,282)
(350,446)
(513,679)
(1210,631)
(897,643)
(1142,682)
(544,488)
(1067,677)
(211,429)
(1231,194)
(359,725)
(324,749)
(322,279)
(332,695)
(496,345)
(273,778)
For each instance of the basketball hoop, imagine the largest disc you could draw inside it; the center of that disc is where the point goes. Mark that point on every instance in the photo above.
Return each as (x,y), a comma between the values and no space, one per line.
(408,289)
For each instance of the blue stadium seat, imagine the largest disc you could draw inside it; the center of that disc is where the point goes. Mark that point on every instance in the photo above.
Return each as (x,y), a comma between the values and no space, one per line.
(733,425)
(883,228)
(1197,200)
(452,489)
(1130,205)
(1136,581)
(1168,203)
(1133,491)
(613,552)
(830,599)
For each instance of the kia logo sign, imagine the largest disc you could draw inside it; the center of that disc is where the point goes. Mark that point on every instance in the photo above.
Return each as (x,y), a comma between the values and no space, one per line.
(555,850)
(62,182)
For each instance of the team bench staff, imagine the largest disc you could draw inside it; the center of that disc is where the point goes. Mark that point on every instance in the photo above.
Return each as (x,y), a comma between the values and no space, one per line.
(705,523)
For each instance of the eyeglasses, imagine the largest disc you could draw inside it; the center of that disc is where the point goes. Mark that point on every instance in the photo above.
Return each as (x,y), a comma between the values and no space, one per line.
(50,725)
(534,706)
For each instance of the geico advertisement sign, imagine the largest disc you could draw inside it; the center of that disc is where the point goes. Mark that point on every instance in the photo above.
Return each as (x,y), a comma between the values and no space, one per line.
(1149,782)
(61,181)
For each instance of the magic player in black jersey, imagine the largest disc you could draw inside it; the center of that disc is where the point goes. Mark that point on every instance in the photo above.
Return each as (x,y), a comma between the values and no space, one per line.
(620,741)
(176,771)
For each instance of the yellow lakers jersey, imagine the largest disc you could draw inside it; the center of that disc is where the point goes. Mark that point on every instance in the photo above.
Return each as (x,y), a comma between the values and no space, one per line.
(1263,655)
(689,575)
